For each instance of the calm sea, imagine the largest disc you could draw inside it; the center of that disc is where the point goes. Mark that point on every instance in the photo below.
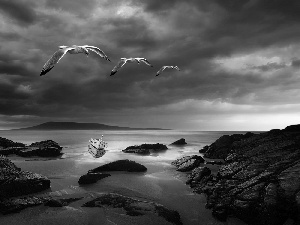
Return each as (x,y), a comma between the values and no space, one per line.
(161,183)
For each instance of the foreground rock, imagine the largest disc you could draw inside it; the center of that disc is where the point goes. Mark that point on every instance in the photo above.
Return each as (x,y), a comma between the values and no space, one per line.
(15,205)
(145,149)
(260,180)
(181,141)
(91,178)
(14,182)
(188,163)
(120,165)
(46,148)
(135,207)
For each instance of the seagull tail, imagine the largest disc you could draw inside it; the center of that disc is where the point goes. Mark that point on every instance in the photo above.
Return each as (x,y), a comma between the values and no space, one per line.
(112,73)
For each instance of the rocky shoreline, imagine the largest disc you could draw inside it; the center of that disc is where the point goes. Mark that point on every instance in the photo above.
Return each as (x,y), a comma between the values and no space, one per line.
(259,181)
(21,189)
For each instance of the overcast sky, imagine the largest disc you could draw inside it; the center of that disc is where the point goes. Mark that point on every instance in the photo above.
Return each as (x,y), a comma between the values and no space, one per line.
(239,61)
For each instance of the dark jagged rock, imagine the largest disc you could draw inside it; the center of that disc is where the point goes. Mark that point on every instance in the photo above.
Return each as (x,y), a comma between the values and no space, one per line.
(259,181)
(221,147)
(14,182)
(204,149)
(8,147)
(197,174)
(46,148)
(145,149)
(135,207)
(120,165)
(15,205)
(6,143)
(60,202)
(91,178)
(293,128)
(188,163)
(181,141)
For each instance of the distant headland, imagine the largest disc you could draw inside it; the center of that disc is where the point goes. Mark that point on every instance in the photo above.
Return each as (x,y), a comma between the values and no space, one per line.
(81,126)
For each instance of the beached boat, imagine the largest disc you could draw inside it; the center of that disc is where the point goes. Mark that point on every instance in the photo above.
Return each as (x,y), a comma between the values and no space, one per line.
(97,147)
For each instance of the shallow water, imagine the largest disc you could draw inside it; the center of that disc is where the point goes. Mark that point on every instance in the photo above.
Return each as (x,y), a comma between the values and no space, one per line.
(161,183)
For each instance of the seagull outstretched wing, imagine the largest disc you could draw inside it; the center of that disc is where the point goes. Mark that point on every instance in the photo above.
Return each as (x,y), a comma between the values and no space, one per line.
(54,59)
(161,69)
(97,51)
(118,66)
(167,67)
(144,60)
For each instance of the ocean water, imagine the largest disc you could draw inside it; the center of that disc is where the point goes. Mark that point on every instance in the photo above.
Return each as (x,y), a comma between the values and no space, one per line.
(161,183)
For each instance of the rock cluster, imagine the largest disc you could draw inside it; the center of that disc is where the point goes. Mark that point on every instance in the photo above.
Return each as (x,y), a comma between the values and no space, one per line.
(135,207)
(15,182)
(145,149)
(14,205)
(46,148)
(259,181)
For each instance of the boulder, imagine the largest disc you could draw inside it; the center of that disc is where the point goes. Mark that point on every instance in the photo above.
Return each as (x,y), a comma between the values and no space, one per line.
(120,165)
(135,207)
(46,148)
(6,143)
(145,149)
(181,141)
(14,182)
(15,205)
(91,178)
(188,163)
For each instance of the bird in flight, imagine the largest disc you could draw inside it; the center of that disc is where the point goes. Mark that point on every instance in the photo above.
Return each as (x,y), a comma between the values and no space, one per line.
(123,61)
(74,49)
(167,67)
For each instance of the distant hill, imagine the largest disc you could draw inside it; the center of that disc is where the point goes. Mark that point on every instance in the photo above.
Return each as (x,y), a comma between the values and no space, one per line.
(81,126)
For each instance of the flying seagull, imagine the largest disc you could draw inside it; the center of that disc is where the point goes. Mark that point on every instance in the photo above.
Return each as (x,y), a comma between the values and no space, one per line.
(143,60)
(167,67)
(128,60)
(74,49)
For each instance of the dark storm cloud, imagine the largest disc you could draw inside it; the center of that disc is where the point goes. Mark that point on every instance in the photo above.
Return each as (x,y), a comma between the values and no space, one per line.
(20,11)
(190,34)
(75,6)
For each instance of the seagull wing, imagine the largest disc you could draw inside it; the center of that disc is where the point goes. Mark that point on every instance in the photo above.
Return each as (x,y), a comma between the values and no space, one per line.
(161,69)
(53,60)
(118,66)
(146,62)
(97,51)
